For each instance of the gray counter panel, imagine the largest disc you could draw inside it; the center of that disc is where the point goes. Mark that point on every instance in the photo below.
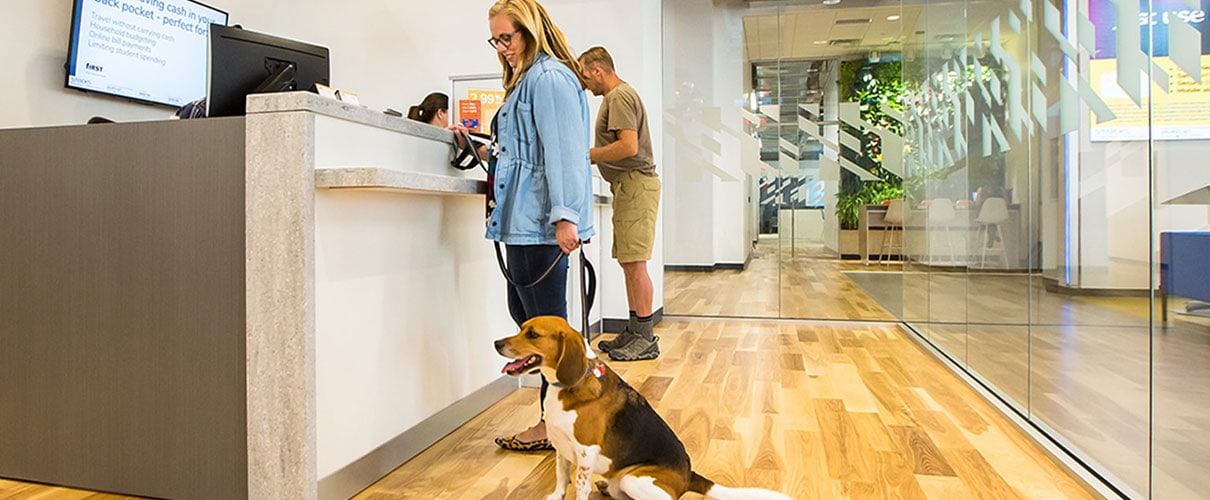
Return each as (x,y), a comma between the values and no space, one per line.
(122,300)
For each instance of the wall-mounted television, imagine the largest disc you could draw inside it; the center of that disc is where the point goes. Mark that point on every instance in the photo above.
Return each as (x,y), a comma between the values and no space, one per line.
(1175,113)
(152,51)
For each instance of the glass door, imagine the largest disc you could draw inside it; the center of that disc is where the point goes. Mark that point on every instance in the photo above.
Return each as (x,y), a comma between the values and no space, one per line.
(840,160)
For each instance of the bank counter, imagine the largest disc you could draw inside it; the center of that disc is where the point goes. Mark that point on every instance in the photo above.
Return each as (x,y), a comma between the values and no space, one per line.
(284,305)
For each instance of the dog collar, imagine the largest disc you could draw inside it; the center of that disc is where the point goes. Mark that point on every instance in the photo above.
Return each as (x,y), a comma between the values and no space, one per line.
(596,370)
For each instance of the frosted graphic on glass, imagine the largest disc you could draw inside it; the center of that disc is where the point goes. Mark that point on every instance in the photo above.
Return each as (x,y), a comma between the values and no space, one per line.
(1054,26)
(1185,48)
(1132,62)
(1087,33)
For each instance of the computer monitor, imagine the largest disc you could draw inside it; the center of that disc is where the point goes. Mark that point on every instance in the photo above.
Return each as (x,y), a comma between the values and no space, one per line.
(245,62)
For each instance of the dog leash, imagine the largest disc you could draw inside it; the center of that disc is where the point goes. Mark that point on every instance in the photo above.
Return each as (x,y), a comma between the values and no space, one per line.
(588,282)
(508,277)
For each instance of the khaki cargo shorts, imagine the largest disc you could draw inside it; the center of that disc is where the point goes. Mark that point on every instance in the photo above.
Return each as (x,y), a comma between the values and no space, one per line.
(636,200)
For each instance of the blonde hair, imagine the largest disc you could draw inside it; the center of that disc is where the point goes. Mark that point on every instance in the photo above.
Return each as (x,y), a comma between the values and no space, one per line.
(541,35)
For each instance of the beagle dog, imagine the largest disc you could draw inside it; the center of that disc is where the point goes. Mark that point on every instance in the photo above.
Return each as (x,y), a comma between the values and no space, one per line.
(600,425)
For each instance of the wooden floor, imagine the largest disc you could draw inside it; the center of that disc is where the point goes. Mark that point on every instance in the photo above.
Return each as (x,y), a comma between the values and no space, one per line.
(1131,397)
(818,412)
(843,411)
(778,282)
(815,411)
(13,490)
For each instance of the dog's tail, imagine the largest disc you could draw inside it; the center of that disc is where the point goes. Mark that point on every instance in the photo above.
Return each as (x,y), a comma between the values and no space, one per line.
(699,484)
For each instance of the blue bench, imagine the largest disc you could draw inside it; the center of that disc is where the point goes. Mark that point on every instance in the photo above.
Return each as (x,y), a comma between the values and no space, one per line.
(1184,266)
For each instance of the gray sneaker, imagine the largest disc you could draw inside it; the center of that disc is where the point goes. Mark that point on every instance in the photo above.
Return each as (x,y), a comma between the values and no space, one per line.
(620,340)
(638,349)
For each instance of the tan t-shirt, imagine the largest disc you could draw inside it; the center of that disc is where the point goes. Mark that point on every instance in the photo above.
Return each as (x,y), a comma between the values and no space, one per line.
(622,109)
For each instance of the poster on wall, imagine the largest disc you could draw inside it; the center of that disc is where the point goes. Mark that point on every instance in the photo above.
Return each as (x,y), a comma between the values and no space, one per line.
(469,114)
(1180,113)
(478,98)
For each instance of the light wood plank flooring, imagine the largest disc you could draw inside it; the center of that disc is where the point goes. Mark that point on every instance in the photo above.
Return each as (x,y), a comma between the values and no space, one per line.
(12,490)
(816,411)
(1129,396)
(805,283)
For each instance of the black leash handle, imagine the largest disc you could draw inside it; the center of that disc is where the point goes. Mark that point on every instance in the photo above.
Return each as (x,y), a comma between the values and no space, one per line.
(468,153)
(588,291)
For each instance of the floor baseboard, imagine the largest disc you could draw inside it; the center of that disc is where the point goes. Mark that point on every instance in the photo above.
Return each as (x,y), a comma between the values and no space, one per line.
(613,325)
(356,476)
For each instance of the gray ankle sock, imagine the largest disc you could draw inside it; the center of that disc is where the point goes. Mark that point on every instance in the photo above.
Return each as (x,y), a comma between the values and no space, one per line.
(634,319)
(643,328)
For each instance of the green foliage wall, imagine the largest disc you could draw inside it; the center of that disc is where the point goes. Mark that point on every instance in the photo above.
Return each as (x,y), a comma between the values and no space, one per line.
(875,86)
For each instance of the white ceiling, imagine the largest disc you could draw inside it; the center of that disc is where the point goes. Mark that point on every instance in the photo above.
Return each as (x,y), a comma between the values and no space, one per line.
(812,31)
(826,33)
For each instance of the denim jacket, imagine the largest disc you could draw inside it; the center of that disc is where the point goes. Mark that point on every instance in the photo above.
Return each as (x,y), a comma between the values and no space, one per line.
(542,172)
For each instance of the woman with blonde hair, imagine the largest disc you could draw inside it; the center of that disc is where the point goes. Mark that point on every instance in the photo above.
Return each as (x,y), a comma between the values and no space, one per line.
(539,184)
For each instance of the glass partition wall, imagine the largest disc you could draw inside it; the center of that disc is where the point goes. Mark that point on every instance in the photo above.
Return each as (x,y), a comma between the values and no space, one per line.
(1048,158)
(765,191)
(1046,142)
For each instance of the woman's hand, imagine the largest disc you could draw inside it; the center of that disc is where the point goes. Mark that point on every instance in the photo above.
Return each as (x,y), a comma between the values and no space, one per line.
(568,236)
(460,134)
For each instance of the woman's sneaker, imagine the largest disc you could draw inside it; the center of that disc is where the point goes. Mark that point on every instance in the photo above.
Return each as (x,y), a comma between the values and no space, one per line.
(620,340)
(638,349)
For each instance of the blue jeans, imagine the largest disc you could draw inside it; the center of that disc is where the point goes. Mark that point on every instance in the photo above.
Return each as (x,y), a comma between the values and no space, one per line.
(548,298)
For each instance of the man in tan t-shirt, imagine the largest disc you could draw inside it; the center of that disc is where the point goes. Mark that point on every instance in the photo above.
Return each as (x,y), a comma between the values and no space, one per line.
(623,154)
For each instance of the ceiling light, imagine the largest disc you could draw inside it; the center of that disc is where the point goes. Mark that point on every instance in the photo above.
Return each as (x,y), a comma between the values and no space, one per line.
(820,42)
(892,18)
(831,2)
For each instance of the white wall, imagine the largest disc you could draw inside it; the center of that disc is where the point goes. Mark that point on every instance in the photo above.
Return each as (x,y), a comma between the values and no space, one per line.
(829,170)
(1116,205)
(705,193)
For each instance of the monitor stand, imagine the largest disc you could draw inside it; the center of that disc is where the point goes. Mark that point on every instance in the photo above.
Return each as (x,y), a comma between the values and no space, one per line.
(280,79)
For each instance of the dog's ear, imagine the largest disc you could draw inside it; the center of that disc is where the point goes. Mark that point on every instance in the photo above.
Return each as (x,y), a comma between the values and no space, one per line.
(573,359)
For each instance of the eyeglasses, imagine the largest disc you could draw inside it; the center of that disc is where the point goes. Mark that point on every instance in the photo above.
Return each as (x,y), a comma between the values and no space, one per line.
(505,39)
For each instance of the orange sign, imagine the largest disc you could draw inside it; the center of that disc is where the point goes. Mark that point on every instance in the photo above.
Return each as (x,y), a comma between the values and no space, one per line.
(489,102)
(469,114)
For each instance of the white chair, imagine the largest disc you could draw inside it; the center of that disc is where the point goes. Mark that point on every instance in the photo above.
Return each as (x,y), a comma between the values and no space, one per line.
(892,224)
(941,216)
(993,214)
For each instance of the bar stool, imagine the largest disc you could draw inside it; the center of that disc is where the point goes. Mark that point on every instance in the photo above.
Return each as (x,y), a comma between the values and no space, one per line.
(994,213)
(941,213)
(892,223)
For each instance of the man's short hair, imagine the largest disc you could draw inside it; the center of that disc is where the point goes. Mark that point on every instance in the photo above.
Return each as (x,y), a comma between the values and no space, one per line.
(599,56)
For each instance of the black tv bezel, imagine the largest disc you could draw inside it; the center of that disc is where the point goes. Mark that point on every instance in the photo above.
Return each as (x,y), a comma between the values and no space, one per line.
(73,40)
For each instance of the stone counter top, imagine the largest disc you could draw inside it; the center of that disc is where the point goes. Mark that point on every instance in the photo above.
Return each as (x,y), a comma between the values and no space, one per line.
(374,177)
(414,182)
(307,101)
(382,178)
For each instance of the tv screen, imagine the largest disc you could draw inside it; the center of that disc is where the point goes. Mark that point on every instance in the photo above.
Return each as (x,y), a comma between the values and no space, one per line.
(147,50)
(1147,111)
